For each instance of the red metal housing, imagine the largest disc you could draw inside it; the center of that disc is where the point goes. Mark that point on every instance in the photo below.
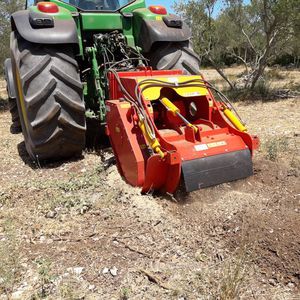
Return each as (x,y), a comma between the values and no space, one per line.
(186,151)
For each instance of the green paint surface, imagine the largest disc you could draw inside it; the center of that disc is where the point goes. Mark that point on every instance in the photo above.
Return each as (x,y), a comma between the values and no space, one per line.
(127,20)
(101,21)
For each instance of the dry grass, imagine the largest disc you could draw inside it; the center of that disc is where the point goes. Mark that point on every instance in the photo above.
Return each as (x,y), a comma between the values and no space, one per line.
(275,78)
(274,147)
(10,260)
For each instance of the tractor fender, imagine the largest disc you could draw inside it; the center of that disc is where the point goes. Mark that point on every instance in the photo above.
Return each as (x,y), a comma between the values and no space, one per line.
(153,31)
(8,72)
(62,31)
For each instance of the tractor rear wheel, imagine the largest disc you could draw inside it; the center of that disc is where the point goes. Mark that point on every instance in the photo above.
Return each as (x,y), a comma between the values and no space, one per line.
(170,56)
(49,99)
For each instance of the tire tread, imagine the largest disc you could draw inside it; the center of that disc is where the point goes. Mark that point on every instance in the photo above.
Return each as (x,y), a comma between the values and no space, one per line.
(53,98)
(170,56)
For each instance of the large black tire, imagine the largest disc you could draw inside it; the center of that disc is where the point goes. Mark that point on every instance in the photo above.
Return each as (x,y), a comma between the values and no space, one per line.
(170,56)
(50,99)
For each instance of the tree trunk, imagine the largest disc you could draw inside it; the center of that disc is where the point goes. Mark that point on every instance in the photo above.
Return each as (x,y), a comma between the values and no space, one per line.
(262,61)
(232,87)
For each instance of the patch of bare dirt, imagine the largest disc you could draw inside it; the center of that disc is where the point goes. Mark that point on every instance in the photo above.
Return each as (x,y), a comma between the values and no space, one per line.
(75,230)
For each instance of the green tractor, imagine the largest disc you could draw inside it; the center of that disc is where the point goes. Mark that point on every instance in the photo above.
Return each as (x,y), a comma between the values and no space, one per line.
(61,51)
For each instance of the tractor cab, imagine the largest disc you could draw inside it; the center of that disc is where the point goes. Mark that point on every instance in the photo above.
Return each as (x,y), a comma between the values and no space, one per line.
(88,5)
(98,5)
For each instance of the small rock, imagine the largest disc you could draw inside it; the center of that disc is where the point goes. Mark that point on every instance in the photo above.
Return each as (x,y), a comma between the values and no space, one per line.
(114,271)
(236,229)
(17,295)
(78,270)
(51,214)
(272,281)
(96,212)
(105,271)
(84,209)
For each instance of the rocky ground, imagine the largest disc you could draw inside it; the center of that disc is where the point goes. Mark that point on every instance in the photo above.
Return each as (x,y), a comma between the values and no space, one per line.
(76,230)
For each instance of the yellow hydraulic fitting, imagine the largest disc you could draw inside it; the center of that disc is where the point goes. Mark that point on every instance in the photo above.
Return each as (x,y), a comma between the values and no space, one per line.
(193,126)
(170,106)
(176,112)
(153,143)
(234,120)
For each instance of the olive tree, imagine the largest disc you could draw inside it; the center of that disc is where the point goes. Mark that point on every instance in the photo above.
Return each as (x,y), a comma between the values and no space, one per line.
(7,7)
(250,33)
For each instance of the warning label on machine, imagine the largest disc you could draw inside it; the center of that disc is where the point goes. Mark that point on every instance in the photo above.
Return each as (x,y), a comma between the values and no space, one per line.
(203,147)
(216,144)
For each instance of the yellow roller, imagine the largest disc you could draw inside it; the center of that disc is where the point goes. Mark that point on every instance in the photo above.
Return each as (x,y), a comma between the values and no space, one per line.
(234,120)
